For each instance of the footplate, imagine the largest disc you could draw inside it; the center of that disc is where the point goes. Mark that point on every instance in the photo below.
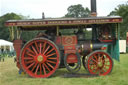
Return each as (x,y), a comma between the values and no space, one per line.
(79,75)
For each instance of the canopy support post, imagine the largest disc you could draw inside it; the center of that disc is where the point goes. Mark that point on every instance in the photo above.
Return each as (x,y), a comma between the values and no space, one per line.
(57,31)
(11,30)
(118,30)
(18,33)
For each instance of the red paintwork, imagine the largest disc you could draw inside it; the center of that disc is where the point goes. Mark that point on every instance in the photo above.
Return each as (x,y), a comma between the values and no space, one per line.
(72,58)
(69,40)
(58,40)
(17,46)
(69,51)
(106,40)
(103,48)
(94,60)
(69,43)
(44,67)
(70,47)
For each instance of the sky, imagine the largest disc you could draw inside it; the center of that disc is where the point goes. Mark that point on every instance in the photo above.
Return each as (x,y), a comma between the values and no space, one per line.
(53,8)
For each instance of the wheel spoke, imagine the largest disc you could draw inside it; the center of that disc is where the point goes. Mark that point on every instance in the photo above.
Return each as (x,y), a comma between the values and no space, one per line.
(94,60)
(44,69)
(103,71)
(90,66)
(103,61)
(96,57)
(30,50)
(34,66)
(28,58)
(37,47)
(107,65)
(30,54)
(37,69)
(51,54)
(51,61)
(50,65)
(102,56)
(44,47)
(94,67)
(94,63)
(30,61)
(40,47)
(50,51)
(96,70)
(100,71)
(46,50)
(105,68)
(107,61)
(99,55)
(34,50)
(52,58)
(40,69)
(30,65)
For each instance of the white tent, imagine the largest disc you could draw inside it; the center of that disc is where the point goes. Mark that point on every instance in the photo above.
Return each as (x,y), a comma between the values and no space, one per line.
(6,45)
(122,46)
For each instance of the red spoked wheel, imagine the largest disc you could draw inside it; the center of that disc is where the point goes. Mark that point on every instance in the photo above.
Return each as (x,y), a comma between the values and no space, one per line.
(40,58)
(99,62)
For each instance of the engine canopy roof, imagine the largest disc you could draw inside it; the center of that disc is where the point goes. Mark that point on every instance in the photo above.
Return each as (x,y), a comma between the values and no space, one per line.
(51,22)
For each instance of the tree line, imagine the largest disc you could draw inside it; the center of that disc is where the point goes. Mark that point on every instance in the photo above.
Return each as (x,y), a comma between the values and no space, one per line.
(122,10)
(73,11)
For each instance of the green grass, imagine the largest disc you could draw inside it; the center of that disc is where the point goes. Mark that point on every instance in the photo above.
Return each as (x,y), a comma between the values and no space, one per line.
(119,76)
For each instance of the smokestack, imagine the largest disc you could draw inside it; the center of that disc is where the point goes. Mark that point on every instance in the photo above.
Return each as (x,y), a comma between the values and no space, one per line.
(93,8)
(43,16)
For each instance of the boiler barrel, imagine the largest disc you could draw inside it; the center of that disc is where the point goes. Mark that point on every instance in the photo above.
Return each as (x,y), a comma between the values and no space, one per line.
(89,46)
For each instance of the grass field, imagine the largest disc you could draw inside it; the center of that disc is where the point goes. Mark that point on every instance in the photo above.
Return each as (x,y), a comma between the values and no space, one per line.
(119,76)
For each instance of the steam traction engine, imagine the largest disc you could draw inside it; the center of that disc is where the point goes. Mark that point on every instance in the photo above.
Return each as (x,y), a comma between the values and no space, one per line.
(66,43)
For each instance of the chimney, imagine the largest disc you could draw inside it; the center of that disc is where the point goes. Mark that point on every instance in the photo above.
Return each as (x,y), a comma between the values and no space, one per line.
(93,8)
(43,16)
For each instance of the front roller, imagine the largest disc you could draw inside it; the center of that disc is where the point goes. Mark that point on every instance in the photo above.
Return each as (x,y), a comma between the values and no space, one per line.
(40,58)
(99,62)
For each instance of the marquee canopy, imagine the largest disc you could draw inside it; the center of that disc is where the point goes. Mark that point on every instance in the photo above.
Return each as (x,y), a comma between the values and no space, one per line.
(5,43)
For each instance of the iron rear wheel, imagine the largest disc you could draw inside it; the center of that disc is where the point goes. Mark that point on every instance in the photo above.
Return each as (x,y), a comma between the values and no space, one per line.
(40,58)
(99,62)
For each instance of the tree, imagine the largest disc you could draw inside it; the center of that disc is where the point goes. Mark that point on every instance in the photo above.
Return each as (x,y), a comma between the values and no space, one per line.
(4,32)
(122,10)
(77,11)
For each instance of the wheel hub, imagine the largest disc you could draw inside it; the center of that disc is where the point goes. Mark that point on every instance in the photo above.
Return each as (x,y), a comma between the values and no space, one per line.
(40,58)
(100,64)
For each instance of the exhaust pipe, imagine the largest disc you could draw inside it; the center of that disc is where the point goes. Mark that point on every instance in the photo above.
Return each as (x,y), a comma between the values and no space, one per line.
(93,8)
